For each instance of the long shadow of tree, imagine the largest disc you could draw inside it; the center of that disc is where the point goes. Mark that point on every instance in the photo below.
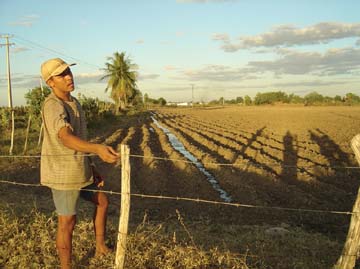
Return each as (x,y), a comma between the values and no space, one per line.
(330,149)
(313,191)
(338,160)
(290,157)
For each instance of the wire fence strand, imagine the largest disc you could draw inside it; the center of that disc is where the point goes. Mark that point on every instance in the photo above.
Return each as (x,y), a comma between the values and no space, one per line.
(245,164)
(46,155)
(197,200)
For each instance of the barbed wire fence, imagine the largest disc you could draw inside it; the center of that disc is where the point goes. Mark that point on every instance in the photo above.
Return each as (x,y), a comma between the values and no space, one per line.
(346,260)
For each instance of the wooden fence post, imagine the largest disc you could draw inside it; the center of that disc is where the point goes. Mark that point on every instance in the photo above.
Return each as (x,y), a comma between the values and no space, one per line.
(27,135)
(124,207)
(348,256)
(40,133)
(12,131)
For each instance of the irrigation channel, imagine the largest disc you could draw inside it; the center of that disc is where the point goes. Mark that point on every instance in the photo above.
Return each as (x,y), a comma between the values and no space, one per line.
(177,145)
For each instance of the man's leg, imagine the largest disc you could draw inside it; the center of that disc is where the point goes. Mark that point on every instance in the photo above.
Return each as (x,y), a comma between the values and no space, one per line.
(102,203)
(65,230)
(65,202)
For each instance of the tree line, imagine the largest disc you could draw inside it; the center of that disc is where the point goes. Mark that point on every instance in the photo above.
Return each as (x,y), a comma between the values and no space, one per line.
(279,97)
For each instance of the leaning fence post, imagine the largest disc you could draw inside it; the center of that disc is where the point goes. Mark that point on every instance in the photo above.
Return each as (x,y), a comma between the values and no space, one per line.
(349,253)
(348,256)
(124,207)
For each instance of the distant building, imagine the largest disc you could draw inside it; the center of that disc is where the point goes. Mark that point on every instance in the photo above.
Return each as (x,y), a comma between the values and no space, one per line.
(178,104)
(184,104)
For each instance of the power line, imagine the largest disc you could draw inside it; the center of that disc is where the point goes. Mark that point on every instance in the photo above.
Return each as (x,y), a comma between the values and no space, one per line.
(37,45)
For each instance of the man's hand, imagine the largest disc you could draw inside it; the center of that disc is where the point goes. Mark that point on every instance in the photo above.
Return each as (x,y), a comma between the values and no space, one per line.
(107,154)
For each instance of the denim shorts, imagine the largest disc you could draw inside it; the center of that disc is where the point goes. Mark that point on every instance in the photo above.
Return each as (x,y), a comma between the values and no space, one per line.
(66,200)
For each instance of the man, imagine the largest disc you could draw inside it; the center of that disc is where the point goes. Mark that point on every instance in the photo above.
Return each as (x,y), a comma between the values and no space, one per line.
(64,168)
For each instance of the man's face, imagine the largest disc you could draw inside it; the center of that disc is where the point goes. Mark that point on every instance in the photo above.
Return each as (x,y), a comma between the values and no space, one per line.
(63,82)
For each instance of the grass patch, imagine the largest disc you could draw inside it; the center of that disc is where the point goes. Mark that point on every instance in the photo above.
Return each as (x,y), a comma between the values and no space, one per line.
(29,242)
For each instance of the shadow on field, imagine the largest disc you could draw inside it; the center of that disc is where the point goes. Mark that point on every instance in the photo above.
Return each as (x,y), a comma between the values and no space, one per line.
(329,149)
(259,183)
(338,160)
(164,178)
(290,158)
(282,183)
(272,174)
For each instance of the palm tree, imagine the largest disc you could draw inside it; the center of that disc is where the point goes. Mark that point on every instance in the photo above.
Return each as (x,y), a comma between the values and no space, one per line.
(121,79)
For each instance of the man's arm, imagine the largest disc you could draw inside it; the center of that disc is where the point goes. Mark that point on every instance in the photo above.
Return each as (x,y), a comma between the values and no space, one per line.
(106,153)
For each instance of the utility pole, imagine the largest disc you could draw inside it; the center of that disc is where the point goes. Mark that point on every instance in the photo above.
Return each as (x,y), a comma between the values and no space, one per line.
(192,95)
(41,87)
(7,44)
(143,98)
(42,123)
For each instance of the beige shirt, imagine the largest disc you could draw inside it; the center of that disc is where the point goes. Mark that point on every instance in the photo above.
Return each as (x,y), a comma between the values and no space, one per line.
(63,168)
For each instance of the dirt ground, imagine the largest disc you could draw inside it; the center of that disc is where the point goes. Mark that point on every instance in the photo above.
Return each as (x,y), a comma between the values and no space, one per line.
(298,157)
(283,156)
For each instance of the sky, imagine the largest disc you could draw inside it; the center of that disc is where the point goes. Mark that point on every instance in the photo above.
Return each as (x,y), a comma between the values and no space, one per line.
(218,48)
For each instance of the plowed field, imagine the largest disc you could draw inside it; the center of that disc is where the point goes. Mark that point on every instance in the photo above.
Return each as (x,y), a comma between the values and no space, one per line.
(288,157)
(296,157)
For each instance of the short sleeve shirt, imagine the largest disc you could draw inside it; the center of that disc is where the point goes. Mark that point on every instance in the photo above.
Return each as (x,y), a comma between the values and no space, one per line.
(63,168)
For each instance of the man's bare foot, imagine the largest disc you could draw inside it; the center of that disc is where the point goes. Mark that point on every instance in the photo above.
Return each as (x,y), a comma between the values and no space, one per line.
(102,251)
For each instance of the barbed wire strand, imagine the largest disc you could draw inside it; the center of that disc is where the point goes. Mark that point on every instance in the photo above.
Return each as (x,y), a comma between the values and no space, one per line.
(243,164)
(191,162)
(197,200)
(45,155)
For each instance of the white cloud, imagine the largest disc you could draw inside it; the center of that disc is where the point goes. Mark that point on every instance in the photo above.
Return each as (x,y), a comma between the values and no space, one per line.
(169,68)
(21,80)
(139,41)
(90,75)
(86,78)
(338,61)
(31,17)
(148,76)
(18,49)
(289,35)
(332,62)
(221,36)
(26,21)
(218,73)
(308,83)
